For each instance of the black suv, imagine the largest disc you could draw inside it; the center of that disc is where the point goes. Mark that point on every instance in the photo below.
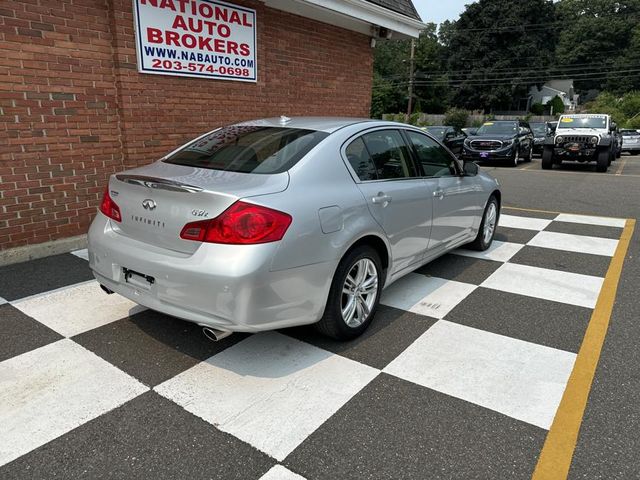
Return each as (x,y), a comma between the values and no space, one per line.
(504,140)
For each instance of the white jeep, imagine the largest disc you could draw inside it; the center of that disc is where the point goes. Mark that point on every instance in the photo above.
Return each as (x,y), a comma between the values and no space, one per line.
(581,138)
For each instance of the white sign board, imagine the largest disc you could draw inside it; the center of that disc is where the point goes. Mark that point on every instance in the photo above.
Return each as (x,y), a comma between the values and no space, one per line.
(196,38)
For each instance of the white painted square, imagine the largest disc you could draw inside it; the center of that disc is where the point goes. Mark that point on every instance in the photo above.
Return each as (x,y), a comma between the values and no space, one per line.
(430,296)
(519,379)
(525,223)
(575,243)
(51,390)
(278,472)
(84,254)
(77,309)
(498,251)
(564,287)
(269,390)
(602,221)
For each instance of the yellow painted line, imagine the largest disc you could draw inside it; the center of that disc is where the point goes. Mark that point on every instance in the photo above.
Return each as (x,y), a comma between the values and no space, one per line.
(556,212)
(557,452)
(623,162)
(531,166)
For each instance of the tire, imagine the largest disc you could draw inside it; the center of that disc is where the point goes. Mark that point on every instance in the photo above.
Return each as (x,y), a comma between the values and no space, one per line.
(604,160)
(530,156)
(484,238)
(516,158)
(333,323)
(547,159)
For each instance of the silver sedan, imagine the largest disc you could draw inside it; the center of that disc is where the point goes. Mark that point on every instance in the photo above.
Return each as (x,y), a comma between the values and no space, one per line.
(281,222)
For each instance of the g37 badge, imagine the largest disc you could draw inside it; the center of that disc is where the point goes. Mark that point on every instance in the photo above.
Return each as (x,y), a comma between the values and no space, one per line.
(199,213)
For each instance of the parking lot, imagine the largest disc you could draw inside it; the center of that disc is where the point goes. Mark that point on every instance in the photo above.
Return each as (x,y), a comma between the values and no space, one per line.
(477,365)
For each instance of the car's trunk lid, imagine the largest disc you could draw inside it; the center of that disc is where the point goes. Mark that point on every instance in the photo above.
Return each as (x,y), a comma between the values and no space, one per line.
(158,200)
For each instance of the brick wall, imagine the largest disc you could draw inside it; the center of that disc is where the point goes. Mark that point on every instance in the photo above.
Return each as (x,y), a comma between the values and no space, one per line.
(74,109)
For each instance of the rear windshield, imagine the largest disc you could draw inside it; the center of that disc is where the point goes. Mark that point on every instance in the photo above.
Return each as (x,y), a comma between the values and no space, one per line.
(630,133)
(249,149)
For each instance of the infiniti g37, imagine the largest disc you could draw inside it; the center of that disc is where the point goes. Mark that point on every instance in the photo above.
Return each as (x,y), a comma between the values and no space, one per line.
(282,222)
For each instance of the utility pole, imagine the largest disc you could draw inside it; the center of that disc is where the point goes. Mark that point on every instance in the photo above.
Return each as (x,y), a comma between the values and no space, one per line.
(411,74)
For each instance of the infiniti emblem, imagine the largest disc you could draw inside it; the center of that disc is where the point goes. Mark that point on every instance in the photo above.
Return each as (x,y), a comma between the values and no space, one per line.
(149,204)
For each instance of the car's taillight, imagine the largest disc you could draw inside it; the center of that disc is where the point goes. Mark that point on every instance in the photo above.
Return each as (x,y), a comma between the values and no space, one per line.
(240,224)
(109,207)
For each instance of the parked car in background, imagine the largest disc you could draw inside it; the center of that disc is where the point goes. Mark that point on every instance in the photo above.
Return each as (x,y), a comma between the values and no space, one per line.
(581,138)
(619,140)
(630,141)
(452,137)
(281,222)
(540,131)
(505,140)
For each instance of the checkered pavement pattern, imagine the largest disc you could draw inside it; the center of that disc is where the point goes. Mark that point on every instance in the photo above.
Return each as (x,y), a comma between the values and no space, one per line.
(459,376)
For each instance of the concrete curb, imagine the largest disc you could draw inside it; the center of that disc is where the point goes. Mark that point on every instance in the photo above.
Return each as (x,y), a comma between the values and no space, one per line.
(32,252)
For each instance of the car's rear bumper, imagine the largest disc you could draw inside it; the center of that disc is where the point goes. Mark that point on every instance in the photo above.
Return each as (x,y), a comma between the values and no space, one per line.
(227,287)
(631,147)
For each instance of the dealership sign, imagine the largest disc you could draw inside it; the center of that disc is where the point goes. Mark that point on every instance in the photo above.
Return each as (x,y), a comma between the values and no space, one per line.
(196,38)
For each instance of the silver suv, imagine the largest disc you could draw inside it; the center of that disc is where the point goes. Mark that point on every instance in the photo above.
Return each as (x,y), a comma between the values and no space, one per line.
(581,138)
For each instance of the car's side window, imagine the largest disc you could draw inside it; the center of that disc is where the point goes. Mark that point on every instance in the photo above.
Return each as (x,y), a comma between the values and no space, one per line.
(435,160)
(360,160)
(390,154)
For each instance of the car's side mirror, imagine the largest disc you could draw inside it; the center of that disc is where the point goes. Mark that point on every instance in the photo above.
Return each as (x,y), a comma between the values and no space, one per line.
(449,135)
(470,169)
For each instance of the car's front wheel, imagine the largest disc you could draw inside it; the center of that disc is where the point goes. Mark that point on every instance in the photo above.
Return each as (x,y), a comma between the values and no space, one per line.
(354,295)
(516,157)
(547,158)
(604,160)
(488,226)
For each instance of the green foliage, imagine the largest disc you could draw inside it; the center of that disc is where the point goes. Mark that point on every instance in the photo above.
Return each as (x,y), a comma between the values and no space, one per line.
(456,117)
(414,118)
(391,75)
(597,34)
(489,58)
(537,109)
(625,109)
(557,105)
(487,62)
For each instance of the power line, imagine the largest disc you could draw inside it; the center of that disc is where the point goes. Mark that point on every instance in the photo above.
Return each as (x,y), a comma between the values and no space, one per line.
(498,82)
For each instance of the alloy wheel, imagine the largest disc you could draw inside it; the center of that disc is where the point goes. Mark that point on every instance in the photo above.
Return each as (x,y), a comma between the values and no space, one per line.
(359,292)
(490,222)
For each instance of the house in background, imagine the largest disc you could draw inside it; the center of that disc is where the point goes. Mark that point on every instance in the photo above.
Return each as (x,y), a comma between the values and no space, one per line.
(562,88)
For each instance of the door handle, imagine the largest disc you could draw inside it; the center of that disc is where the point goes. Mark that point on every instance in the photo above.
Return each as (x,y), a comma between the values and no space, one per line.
(382,199)
(439,194)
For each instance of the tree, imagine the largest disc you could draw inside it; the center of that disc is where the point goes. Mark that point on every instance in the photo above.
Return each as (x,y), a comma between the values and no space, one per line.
(497,50)
(456,117)
(557,105)
(391,75)
(600,39)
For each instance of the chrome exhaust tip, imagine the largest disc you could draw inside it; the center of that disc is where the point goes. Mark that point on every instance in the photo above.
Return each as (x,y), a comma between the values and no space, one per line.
(106,290)
(215,335)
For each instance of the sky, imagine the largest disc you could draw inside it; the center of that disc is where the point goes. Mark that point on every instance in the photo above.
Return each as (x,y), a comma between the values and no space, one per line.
(438,11)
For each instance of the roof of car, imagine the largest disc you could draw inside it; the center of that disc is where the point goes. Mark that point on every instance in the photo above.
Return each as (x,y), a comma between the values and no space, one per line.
(324,124)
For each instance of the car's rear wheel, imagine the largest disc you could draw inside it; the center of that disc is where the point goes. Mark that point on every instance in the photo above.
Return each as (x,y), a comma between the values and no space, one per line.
(604,160)
(547,159)
(488,226)
(354,295)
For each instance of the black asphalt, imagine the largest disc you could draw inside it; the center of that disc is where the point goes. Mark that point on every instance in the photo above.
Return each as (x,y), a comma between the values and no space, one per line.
(609,439)
(392,428)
